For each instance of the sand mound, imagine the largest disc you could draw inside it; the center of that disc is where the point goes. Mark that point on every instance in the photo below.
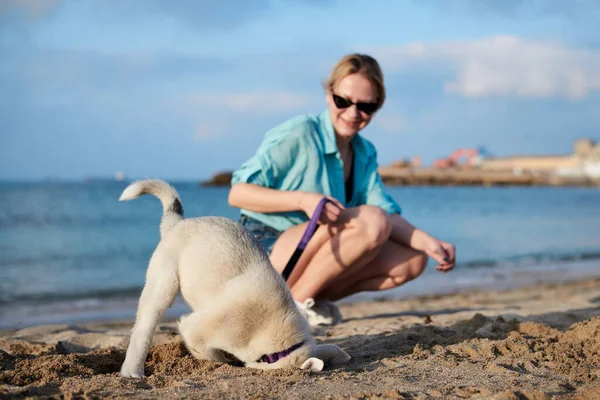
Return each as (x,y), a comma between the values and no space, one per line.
(573,357)
(537,349)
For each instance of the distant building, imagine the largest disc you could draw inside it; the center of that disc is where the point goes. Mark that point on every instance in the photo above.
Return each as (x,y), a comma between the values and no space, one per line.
(587,149)
(583,162)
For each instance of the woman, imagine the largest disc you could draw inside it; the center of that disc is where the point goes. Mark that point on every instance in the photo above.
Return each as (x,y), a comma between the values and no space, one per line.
(363,243)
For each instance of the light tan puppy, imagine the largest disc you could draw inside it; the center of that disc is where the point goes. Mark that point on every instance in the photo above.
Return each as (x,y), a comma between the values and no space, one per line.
(240,304)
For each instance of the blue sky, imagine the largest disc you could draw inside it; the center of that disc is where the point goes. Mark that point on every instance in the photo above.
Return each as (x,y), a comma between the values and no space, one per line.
(182,89)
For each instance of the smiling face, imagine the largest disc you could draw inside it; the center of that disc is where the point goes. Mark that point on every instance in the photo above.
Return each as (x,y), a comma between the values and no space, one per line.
(353,88)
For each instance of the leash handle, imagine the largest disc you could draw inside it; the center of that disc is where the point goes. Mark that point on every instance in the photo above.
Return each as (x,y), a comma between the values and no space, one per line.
(308,233)
(312,223)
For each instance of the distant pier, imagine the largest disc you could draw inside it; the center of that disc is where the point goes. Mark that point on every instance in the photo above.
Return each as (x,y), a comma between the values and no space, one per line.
(392,176)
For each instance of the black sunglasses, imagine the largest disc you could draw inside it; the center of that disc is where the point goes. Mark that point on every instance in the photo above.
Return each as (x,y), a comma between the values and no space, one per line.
(368,108)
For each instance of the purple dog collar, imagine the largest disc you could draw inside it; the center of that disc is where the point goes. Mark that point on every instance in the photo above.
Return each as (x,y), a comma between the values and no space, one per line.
(271,358)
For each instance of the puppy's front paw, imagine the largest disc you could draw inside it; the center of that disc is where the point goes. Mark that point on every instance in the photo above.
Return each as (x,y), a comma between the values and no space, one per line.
(132,372)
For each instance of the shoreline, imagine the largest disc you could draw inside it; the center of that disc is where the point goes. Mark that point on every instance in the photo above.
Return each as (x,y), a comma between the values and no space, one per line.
(431,283)
(535,342)
(358,301)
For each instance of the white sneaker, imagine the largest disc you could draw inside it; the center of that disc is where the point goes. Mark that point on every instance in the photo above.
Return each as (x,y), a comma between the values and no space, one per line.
(321,312)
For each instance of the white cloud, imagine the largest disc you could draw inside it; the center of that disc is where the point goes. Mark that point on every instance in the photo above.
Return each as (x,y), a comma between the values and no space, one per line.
(503,66)
(259,101)
(32,8)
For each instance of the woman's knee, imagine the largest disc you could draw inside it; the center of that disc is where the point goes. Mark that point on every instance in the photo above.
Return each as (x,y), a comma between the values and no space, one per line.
(418,264)
(412,269)
(374,225)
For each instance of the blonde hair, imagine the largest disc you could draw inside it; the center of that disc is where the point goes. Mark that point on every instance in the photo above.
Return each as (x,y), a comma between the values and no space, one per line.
(358,64)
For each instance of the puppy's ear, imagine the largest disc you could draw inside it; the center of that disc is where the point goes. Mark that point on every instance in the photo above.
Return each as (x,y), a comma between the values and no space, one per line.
(331,354)
(314,364)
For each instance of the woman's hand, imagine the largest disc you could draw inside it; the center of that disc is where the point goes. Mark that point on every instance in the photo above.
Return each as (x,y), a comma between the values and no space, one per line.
(442,252)
(404,233)
(331,212)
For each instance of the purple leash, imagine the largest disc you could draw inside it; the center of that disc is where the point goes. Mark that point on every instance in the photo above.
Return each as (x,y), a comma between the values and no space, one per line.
(308,233)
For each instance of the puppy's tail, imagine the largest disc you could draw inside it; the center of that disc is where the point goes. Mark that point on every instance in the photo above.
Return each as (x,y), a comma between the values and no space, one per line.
(172,209)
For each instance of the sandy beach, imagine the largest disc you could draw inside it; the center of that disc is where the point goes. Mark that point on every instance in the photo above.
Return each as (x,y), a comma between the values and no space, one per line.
(534,342)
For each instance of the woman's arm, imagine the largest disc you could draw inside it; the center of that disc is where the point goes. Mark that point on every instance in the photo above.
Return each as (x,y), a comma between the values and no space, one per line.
(263,200)
(404,233)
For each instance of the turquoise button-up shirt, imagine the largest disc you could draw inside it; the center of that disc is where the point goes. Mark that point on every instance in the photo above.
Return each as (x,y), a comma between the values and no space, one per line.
(301,154)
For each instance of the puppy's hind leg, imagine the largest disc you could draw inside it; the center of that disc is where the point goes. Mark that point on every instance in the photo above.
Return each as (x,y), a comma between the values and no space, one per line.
(162,285)
(195,330)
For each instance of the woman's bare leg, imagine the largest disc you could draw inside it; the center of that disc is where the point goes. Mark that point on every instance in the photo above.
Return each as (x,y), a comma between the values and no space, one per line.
(335,258)
(394,266)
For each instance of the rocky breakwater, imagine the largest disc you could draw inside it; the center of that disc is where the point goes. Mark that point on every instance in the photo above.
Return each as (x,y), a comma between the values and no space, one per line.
(402,176)
(222,178)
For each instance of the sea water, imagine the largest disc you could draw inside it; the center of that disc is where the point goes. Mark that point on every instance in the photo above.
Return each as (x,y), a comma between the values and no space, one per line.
(72,252)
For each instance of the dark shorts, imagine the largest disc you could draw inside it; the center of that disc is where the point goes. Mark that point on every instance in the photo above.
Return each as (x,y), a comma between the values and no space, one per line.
(263,233)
